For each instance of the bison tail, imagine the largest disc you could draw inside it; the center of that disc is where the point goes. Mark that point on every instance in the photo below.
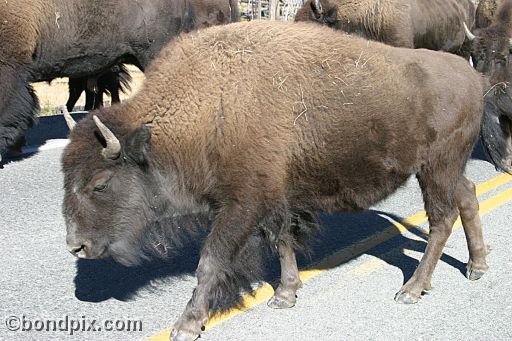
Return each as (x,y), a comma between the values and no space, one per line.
(496,133)
(124,78)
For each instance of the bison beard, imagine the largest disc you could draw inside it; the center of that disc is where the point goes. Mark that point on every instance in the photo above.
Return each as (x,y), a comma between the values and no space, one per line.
(335,123)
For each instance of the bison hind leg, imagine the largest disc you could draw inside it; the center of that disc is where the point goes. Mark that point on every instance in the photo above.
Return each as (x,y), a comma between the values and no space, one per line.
(285,295)
(288,231)
(467,203)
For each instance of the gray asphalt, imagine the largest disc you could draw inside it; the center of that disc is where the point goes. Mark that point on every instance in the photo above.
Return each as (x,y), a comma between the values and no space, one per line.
(41,282)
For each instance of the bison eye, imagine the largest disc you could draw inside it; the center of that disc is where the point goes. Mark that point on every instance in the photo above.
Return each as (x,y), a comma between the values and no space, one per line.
(100,187)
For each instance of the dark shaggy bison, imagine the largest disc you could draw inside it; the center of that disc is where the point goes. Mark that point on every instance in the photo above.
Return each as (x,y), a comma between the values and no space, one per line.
(112,82)
(491,54)
(42,39)
(335,123)
(431,24)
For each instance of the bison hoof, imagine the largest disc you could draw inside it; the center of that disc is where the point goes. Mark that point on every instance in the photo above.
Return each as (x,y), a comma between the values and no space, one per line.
(182,335)
(407,297)
(277,302)
(474,274)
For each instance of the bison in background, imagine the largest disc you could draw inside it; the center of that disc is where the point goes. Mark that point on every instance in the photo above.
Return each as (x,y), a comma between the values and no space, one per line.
(335,123)
(485,12)
(431,24)
(42,39)
(491,54)
(111,82)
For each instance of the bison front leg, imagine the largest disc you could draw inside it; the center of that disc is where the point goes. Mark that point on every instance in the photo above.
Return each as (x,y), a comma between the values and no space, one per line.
(194,318)
(285,295)
(216,273)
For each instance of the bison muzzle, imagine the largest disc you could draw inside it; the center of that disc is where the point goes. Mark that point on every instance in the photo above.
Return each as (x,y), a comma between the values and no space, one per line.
(259,125)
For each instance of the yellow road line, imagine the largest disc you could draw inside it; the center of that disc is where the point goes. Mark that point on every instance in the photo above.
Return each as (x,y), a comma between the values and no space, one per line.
(265,292)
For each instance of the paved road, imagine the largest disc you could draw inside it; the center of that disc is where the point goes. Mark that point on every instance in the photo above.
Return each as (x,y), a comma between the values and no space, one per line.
(346,296)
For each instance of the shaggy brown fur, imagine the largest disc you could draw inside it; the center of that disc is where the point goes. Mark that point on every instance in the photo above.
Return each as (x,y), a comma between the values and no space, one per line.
(44,39)
(334,123)
(432,24)
(485,12)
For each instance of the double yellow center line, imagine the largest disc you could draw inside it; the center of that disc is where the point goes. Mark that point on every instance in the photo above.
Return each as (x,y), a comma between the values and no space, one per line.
(265,292)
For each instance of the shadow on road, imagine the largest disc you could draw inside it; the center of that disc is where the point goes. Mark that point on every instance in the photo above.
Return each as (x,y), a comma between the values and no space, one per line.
(100,280)
(97,281)
(479,152)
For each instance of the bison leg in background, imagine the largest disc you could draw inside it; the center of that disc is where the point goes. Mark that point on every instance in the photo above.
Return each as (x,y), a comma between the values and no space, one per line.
(215,274)
(111,82)
(438,182)
(78,85)
(114,95)
(18,105)
(468,208)
(115,81)
(285,294)
(97,100)
(75,87)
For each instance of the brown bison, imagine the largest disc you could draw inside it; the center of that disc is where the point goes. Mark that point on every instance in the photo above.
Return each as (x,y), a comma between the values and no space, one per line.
(111,82)
(42,39)
(491,54)
(335,123)
(431,24)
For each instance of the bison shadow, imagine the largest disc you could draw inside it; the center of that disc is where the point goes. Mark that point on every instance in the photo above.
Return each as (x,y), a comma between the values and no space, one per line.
(98,281)
(479,152)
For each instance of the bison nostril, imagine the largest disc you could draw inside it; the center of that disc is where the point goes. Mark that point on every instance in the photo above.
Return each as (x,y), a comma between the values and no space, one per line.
(76,249)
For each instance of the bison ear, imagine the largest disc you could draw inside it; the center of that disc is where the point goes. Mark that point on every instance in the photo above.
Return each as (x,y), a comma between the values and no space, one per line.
(138,145)
(331,17)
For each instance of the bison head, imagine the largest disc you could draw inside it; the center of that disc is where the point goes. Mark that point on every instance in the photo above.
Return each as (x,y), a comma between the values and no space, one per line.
(114,201)
(490,52)
(318,11)
(492,56)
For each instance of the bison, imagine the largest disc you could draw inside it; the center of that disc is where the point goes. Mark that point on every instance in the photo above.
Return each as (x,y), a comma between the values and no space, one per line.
(112,82)
(431,24)
(42,39)
(333,123)
(491,54)
(485,12)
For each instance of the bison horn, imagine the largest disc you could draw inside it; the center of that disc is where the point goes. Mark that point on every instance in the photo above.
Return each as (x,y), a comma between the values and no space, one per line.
(113,148)
(469,35)
(67,116)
